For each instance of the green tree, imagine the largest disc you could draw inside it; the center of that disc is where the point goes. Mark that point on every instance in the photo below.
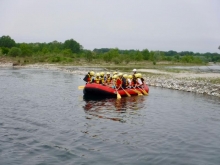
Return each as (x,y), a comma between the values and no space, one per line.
(146,54)
(5,50)
(26,49)
(187,59)
(55,46)
(158,56)
(1,52)
(14,51)
(67,52)
(113,53)
(73,45)
(6,41)
(45,50)
(88,55)
(138,56)
(152,55)
(176,58)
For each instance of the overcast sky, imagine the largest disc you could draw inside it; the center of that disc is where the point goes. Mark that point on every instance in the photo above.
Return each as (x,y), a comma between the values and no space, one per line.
(179,25)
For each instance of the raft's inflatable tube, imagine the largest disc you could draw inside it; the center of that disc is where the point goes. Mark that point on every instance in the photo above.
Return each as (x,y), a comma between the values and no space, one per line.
(100,90)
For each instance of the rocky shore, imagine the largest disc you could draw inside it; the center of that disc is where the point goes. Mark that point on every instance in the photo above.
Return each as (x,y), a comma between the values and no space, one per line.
(189,81)
(185,81)
(186,84)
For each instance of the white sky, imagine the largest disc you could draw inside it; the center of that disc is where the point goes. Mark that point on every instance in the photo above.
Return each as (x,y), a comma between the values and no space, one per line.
(179,25)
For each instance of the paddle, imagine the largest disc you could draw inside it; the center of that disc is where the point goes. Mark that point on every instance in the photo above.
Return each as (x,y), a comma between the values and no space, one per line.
(139,93)
(143,91)
(81,87)
(126,92)
(118,95)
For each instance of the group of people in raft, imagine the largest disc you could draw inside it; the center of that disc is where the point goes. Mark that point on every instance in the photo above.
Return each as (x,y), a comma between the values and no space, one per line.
(117,80)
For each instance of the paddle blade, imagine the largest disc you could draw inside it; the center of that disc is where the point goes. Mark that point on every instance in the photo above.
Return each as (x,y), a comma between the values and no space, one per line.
(81,87)
(118,96)
(139,93)
(127,93)
(144,92)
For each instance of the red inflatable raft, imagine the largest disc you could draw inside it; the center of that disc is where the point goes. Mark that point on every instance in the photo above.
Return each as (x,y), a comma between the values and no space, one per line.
(100,90)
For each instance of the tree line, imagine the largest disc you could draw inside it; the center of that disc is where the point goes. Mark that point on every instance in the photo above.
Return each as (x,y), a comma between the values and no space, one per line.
(70,50)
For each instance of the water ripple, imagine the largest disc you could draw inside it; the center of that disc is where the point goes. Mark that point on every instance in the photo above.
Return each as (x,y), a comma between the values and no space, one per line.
(44,119)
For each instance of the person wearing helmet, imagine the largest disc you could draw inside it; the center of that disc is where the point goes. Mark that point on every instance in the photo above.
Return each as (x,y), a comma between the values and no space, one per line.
(133,80)
(118,83)
(115,73)
(124,80)
(108,79)
(142,79)
(139,83)
(102,77)
(97,79)
(88,77)
(134,71)
(113,81)
(129,80)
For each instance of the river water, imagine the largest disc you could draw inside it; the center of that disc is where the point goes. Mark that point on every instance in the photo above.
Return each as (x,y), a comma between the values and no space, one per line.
(44,119)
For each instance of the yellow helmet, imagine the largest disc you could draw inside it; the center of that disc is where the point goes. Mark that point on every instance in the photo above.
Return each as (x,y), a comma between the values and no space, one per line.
(92,73)
(102,73)
(97,74)
(125,76)
(115,73)
(115,76)
(136,75)
(108,73)
(120,74)
(130,76)
(140,75)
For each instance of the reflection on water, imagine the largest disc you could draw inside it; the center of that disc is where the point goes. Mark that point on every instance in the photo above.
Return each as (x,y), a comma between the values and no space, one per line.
(109,108)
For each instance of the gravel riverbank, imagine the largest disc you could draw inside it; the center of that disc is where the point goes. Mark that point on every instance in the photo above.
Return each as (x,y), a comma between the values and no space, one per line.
(186,84)
(204,83)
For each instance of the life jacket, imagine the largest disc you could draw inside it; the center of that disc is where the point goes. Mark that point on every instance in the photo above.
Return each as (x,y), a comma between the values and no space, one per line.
(127,83)
(97,80)
(108,80)
(124,82)
(102,79)
(133,81)
(118,82)
(87,78)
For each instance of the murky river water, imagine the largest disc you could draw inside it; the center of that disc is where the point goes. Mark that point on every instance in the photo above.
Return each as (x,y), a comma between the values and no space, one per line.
(44,119)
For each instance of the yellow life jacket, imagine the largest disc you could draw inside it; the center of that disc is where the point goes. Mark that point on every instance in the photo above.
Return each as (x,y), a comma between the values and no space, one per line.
(108,80)
(97,80)
(102,79)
